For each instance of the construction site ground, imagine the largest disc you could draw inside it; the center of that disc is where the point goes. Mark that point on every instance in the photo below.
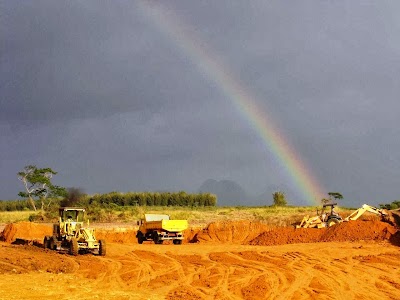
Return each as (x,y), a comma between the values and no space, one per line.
(226,260)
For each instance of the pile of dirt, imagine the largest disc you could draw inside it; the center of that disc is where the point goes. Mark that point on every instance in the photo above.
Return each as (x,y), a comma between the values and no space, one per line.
(35,231)
(346,231)
(121,236)
(359,230)
(25,230)
(236,232)
(25,259)
(286,235)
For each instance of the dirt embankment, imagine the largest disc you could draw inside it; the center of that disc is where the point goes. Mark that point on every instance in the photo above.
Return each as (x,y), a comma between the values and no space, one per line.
(237,232)
(226,263)
(25,230)
(346,231)
(254,233)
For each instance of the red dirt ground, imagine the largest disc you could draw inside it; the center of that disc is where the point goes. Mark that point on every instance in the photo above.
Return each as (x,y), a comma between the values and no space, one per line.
(229,260)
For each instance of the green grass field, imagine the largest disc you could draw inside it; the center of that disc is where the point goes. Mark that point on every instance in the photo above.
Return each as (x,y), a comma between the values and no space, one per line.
(197,216)
(14,216)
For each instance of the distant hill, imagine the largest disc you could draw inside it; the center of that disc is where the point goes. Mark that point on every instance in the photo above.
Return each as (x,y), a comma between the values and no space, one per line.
(228,192)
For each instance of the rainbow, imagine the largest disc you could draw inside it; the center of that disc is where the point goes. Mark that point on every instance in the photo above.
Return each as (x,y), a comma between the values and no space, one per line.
(210,65)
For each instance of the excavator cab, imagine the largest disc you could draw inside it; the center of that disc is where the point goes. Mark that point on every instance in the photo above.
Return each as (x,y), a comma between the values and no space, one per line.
(329,215)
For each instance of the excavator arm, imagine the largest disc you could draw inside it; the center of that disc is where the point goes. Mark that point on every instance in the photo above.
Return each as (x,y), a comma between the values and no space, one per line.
(364,208)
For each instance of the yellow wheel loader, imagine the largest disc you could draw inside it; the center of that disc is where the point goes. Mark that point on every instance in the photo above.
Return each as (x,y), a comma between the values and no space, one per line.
(326,218)
(70,234)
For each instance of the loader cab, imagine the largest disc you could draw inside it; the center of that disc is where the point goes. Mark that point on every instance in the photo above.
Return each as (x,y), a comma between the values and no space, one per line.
(328,212)
(70,219)
(71,214)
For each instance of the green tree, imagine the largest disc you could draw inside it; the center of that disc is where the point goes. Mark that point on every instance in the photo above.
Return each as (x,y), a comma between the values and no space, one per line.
(335,195)
(279,198)
(38,185)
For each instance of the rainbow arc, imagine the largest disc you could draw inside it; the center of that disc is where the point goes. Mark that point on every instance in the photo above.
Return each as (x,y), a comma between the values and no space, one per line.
(211,66)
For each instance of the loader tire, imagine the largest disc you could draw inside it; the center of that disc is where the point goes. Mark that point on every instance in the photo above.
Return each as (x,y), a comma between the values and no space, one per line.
(73,247)
(102,248)
(332,222)
(177,242)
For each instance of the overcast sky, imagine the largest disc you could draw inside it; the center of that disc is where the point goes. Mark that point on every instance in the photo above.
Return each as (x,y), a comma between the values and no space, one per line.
(100,93)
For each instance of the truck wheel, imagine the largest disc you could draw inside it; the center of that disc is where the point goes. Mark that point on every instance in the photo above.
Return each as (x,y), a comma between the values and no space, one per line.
(102,248)
(73,247)
(156,238)
(140,238)
(177,242)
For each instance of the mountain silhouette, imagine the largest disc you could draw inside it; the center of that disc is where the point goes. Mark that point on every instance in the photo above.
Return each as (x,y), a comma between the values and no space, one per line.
(228,192)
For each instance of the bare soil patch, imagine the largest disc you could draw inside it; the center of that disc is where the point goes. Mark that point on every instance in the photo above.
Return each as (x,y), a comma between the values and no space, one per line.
(230,260)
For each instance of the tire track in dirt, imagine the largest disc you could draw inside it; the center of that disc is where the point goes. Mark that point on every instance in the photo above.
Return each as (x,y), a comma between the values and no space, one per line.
(222,265)
(323,271)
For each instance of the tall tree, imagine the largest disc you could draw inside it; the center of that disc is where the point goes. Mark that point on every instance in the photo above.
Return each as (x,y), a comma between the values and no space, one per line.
(37,183)
(279,198)
(335,195)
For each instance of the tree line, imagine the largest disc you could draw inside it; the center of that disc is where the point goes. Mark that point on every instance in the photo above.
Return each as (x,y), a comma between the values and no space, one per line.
(393,205)
(39,191)
(117,199)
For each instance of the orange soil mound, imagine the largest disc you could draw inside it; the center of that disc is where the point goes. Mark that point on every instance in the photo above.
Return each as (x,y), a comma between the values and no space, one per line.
(25,230)
(116,236)
(24,259)
(346,231)
(237,232)
(35,231)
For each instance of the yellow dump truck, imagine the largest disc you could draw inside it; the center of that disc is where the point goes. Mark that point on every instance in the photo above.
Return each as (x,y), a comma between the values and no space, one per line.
(159,228)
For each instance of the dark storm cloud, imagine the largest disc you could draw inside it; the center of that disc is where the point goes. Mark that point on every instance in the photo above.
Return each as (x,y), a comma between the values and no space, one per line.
(68,60)
(97,91)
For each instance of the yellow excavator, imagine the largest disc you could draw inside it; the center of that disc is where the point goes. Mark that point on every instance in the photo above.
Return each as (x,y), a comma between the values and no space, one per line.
(328,219)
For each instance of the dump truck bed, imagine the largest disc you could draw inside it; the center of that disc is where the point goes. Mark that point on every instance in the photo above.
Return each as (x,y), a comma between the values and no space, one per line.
(167,225)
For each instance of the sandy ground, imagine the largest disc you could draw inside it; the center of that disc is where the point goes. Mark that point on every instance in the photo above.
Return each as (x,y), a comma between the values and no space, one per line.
(346,270)
(212,268)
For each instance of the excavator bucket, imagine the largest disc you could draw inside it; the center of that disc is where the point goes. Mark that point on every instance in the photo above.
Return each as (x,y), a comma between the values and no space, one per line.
(308,222)
(302,222)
